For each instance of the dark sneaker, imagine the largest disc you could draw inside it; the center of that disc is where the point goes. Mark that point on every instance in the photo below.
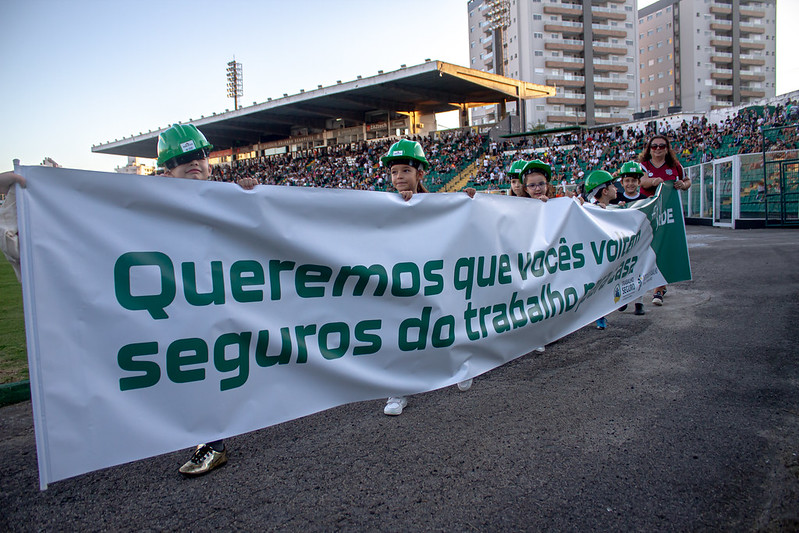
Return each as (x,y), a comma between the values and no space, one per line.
(657,298)
(203,461)
(623,307)
(639,309)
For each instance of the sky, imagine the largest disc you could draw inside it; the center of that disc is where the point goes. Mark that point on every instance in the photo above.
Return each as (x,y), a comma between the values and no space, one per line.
(86,72)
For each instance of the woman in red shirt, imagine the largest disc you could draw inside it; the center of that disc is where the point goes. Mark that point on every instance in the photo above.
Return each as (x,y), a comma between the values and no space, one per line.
(661,165)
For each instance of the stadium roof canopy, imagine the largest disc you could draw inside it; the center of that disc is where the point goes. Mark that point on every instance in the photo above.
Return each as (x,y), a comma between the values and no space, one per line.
(432,87)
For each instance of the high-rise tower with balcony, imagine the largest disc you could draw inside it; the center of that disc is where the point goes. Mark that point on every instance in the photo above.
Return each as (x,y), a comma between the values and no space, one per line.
(699,55)
(586,48)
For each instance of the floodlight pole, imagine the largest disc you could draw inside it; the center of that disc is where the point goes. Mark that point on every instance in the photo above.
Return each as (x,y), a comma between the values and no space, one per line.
(235,83)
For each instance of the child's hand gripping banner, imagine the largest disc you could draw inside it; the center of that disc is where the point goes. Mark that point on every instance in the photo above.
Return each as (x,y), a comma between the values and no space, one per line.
(162,312)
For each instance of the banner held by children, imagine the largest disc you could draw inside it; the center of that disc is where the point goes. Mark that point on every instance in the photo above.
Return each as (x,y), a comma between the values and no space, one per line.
(165,312)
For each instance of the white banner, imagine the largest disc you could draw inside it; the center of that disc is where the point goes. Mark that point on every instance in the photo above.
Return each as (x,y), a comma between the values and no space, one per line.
(162,312)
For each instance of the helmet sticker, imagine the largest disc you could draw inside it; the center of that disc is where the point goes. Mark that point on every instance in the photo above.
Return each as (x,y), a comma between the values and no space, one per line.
(188,146)
(397,152)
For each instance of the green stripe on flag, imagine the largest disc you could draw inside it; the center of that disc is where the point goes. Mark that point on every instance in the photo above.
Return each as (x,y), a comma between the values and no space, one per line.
(664,212)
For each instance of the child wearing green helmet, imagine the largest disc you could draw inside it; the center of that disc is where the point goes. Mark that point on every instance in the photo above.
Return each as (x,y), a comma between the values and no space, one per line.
(516,187)
(599,190)
(535,176)
(630,174)
(183,153)
(406,163)
(535,180)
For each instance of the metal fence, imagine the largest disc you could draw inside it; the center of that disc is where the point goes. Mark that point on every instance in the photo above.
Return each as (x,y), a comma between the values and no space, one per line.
(760,189)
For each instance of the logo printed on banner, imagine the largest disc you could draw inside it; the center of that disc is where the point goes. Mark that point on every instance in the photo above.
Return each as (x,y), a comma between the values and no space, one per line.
(629,286)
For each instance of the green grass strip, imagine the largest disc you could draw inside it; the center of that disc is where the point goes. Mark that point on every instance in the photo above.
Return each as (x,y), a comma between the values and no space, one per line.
(13,351)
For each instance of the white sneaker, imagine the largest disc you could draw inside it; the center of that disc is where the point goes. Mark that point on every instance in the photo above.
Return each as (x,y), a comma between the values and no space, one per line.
(395,405)
(465,385)
(540,349)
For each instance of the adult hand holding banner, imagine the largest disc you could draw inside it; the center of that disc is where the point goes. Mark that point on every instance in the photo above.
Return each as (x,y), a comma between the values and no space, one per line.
(165,312)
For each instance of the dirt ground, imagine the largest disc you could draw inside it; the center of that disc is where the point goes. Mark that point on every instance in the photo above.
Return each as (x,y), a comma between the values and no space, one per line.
(686,418)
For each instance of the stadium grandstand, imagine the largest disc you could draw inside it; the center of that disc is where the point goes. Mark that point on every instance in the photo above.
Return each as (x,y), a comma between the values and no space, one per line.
(334,136)
(366,109)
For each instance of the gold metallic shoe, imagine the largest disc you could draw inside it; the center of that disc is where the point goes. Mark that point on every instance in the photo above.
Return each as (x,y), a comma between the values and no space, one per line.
(203,461)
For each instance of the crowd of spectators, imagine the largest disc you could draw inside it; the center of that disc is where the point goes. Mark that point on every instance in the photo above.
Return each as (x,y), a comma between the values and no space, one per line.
(572,154)
(355,165)
(701,141)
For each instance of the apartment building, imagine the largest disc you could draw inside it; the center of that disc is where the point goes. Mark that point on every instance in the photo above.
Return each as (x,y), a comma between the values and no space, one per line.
(586,48)
(697,55)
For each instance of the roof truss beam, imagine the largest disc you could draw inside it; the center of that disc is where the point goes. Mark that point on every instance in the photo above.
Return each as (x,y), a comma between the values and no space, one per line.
(331,112)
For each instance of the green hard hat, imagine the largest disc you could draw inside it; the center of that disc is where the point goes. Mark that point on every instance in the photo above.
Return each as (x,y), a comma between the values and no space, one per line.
(597,178)
(631,168)
(515,170)
(405,152)
(537,165)
(181,140)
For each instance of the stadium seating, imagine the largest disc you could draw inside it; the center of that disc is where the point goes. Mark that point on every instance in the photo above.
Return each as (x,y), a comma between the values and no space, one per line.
(461,157)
